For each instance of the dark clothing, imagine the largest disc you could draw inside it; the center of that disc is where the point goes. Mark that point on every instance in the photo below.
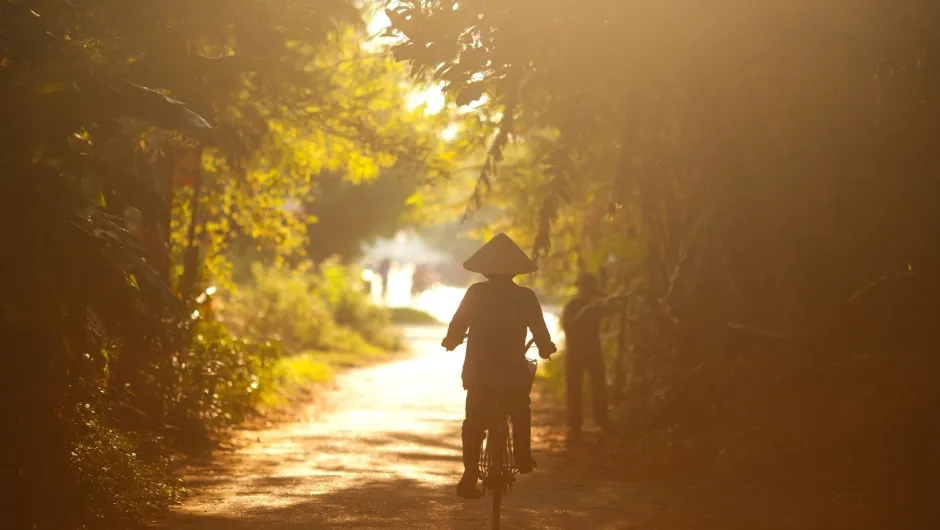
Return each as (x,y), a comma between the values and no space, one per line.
(582,324)
(575,368)
(581,320)
(498,315)
(481,401)
(385,268)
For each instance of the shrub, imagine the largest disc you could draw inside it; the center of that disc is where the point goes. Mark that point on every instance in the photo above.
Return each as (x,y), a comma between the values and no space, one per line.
(408,315)
(290,376)
(118,472)
(352,308)
(116,482)
(217,380)
(309,309)
(280,305)
(172,384)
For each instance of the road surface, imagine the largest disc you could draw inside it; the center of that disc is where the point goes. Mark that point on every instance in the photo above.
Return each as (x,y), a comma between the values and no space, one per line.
(382,450)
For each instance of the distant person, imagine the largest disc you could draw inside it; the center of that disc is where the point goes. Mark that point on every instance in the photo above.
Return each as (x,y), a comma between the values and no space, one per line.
(498,314)
(420,280)
(385,268)
(581,322)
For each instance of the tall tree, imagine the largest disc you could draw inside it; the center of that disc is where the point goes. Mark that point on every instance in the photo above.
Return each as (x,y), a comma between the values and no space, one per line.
(759,161)
(95,126)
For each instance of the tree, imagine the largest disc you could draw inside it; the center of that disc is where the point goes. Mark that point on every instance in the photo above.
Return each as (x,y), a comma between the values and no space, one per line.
(95,128)
(351,131)
(348,215)
(755,163)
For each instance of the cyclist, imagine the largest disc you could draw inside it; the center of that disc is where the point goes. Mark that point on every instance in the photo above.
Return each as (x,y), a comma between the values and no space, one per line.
(498,313)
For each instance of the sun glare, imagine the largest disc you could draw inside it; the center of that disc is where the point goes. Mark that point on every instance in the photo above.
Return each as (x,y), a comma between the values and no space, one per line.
(432,98)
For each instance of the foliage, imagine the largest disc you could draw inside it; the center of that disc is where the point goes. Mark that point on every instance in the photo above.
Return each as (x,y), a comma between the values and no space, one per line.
(411,316)
(738,182)
(116,483)
(292,375)
(299,373)
(81,311)
(309,308)
(103,106)
(380,208)
(761,177)
(351,306)
(217,379)
(124,476)
(321,155)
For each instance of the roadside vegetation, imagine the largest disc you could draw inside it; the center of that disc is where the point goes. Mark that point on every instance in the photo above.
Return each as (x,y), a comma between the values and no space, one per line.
(170,177)
(762,179)
(412,316)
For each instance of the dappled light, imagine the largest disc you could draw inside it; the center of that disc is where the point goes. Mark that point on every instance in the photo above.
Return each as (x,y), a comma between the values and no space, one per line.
(464,264)
(381,451)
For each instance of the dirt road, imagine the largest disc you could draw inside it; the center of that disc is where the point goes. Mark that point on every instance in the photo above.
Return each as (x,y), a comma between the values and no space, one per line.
(382,450)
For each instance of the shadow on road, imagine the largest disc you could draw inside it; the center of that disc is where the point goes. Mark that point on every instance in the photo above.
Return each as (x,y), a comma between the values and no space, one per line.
(296,487)
(537,501)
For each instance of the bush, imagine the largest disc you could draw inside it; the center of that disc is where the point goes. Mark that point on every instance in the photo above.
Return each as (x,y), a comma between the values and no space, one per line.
(280,305)
(139,380)
(352,308)
(117,470)
(217,380)
(115,481)
(291,376)
(411,316)
(309,309)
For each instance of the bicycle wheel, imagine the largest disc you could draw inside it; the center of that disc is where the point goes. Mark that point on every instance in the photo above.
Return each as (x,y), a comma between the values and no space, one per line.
(497,447)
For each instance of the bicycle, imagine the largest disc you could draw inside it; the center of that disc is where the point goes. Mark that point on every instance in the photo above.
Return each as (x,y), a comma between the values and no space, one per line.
(497,459)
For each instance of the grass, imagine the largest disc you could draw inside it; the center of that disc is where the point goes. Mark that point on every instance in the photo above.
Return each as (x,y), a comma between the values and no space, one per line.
(295,375)
(411,316)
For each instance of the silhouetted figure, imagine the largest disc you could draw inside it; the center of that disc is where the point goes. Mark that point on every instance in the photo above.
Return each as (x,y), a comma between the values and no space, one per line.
(420,280)
(385,267)
(498,314)
(581,322)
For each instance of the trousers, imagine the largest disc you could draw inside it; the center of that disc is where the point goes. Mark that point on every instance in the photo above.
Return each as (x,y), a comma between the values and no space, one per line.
(579,364)
(481,402)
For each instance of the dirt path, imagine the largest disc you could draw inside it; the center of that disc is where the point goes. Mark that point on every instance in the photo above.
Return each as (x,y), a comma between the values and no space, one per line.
(383,451)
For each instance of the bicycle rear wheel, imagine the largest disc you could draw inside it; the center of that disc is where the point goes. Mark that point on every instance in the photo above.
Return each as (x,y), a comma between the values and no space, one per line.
(498,441)
(497,501)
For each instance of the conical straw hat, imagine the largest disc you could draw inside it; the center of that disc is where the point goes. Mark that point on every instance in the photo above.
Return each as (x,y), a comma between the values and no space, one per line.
(500,255)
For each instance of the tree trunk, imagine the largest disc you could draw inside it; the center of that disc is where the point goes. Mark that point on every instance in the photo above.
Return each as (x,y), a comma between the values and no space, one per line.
(189,166)
(621,379)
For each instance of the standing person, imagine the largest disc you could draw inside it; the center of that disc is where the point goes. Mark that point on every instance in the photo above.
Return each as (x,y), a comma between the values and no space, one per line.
(498,314)
(581,322)
(419,280)
(385,268)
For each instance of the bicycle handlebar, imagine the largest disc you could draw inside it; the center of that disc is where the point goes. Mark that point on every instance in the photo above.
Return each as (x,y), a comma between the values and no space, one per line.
(528,347)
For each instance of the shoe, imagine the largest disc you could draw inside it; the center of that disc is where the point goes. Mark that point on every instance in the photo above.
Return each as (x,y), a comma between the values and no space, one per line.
(467,489)
(526,466)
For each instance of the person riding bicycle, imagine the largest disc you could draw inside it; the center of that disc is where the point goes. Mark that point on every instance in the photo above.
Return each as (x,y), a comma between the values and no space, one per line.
(498,314)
